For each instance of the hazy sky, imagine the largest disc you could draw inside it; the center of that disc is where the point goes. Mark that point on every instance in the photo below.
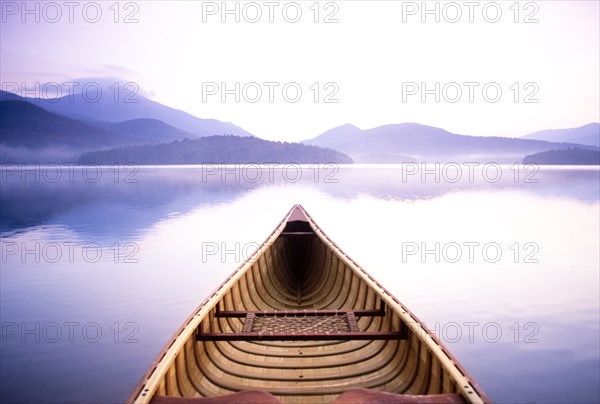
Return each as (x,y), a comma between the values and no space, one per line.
(372,61)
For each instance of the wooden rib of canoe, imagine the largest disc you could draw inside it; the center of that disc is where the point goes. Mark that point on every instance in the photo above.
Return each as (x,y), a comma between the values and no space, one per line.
(301,322)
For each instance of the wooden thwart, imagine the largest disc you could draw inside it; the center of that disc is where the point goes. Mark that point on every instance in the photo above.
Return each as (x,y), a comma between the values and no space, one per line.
(315,336)
(300,313)
(297,233)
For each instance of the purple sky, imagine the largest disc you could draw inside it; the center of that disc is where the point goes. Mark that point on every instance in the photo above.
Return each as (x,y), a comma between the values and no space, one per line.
(372,61)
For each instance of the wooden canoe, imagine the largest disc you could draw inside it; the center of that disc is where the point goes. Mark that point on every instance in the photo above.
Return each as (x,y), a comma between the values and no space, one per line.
(301,322)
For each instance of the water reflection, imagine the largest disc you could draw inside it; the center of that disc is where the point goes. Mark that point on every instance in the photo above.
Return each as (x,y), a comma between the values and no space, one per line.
(373,213)
(133,201)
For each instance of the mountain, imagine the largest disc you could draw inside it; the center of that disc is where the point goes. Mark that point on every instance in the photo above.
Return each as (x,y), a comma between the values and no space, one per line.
(336,137)
(145,130)
(6,96)
(217,149)
(411,141)
(576,156)
(587,135)
(125,105)
(29,133)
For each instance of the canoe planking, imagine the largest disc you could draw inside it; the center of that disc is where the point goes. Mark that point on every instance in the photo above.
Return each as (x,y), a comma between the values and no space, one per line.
(303,322)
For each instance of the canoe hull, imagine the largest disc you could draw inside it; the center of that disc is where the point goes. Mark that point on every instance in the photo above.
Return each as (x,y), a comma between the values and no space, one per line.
(302,321)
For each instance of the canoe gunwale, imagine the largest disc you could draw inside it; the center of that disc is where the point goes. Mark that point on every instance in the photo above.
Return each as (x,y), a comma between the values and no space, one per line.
(465,383)
(151,380)
(141,394)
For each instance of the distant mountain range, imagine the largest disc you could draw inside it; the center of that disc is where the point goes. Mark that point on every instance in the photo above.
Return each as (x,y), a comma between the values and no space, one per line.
(29,133)
(145,130)
(38,130)
(217,149)
(586,135)
(414,142)
(47,130)
(25,125)
(76,106)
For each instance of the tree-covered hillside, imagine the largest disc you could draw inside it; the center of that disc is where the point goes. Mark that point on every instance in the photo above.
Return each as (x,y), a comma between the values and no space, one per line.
(217,149)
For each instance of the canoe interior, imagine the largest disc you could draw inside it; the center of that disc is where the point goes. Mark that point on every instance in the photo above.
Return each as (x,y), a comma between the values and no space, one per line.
(297,288)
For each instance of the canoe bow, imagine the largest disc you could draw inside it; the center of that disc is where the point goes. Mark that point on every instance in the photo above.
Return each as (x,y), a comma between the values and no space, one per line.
(300,321)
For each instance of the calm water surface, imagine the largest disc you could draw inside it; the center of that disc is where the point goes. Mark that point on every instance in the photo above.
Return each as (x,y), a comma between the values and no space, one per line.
(97,273)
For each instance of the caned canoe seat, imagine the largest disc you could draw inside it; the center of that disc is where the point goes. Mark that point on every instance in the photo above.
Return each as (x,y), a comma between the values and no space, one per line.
(301,325)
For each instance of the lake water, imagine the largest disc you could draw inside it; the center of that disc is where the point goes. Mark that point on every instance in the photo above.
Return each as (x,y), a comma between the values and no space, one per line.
(100,265)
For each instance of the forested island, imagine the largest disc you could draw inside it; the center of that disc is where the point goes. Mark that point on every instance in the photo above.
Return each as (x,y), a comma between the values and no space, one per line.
(570,156)
(227,149)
